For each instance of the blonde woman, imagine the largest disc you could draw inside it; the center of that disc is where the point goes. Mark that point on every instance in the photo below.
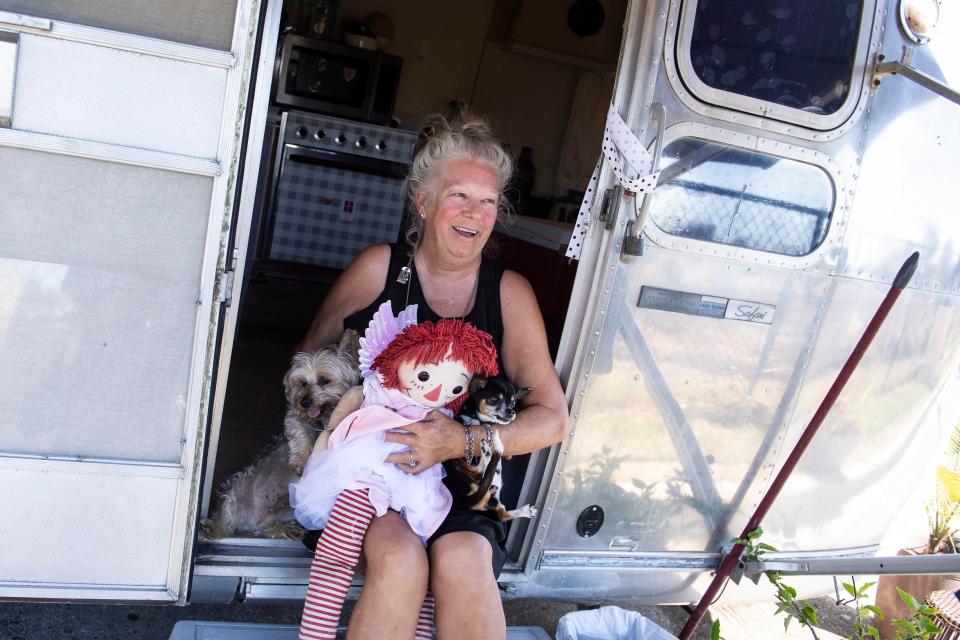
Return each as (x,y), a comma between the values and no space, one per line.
(455,190)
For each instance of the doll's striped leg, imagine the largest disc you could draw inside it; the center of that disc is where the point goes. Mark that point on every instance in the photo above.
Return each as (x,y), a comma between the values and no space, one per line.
(336,557)
(425,621)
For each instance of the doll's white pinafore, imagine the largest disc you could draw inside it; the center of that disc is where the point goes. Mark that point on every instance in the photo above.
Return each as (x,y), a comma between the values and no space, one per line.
(354,459)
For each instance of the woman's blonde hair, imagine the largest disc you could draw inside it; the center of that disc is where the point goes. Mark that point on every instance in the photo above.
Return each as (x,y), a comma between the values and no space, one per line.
(441,140)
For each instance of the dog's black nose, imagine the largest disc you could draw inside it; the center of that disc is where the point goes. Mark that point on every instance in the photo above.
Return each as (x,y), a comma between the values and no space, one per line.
(306,402)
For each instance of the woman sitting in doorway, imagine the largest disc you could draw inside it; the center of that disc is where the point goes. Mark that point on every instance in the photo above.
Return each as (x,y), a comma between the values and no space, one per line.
(455,188)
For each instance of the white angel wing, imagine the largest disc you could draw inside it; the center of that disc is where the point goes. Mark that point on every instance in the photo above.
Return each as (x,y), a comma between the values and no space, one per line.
(383,328)
(407,317)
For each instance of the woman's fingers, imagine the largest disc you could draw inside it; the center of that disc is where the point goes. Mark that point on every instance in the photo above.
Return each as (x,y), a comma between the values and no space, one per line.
(429,441)
(405,461)
(410,460)
(402,438)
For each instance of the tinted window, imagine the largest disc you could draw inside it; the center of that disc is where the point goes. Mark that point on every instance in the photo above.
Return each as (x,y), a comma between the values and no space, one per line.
(716,193)
(796,53)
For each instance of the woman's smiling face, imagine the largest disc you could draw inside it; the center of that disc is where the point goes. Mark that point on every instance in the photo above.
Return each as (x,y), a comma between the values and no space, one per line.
(434,384)
(462,207)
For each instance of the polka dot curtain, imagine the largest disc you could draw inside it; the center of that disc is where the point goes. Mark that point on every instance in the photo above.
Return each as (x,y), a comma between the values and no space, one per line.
(618,141)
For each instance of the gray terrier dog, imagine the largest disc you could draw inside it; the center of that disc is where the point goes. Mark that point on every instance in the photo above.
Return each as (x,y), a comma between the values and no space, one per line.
(255,500)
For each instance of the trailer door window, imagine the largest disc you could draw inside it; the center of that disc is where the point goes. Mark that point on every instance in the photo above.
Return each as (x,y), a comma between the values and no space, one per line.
(733,196)
(799,55)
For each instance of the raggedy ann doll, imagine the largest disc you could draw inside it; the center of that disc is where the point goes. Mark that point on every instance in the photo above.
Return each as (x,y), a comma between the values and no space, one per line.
(408,370)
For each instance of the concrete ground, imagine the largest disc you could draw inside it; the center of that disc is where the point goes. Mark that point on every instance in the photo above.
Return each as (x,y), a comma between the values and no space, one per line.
(29,621)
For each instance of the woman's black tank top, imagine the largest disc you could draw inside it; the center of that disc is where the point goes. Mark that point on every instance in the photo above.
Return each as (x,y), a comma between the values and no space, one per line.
(484,315)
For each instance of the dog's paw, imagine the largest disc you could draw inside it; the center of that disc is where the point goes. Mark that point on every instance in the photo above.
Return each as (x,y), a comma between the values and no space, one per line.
(209,530)
(526,511)
(286,531)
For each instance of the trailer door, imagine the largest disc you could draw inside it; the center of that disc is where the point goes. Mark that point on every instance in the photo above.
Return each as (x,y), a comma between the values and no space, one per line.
(117,156)
(698,358)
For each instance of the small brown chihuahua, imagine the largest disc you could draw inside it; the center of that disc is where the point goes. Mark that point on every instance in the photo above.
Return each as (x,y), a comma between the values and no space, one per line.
(492,401)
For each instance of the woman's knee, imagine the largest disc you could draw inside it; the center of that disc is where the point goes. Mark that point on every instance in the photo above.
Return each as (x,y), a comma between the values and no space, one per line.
(392,548)
(460,554)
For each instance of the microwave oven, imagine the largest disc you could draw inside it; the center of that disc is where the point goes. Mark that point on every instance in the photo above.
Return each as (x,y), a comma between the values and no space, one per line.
(352,83)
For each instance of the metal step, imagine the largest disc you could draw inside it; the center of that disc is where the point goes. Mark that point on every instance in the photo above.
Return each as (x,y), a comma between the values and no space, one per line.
(199,630)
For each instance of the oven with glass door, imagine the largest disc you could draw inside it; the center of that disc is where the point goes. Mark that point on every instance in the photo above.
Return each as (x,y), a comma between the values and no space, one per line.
(338,188)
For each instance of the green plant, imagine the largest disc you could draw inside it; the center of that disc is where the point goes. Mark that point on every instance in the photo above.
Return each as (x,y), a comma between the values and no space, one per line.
(942,530)
(801,610)
(920,625)
(943,512)
(862,628)
(715,631)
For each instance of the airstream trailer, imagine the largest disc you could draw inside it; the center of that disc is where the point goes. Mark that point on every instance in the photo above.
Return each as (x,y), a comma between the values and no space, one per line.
(803,150)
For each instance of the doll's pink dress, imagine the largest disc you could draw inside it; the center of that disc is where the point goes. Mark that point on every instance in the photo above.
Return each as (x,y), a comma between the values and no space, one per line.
(354,459)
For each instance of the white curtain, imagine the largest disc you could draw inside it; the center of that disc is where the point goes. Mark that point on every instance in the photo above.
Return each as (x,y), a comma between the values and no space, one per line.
(581,144)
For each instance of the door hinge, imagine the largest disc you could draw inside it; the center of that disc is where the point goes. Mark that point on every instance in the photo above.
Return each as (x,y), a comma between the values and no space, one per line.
(225,282)
(903,68)
(225,293)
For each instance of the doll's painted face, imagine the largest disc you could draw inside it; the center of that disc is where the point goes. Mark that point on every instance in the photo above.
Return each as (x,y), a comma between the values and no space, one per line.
(434,384)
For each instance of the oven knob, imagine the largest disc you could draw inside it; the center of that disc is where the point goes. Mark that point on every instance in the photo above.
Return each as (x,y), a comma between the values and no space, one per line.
(361,142)
(320,134)
(301,132)
(381,146)
(341,139)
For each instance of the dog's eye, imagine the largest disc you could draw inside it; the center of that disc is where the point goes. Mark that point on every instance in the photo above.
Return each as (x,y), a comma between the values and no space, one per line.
(423,376)
(458,389)
(323,381)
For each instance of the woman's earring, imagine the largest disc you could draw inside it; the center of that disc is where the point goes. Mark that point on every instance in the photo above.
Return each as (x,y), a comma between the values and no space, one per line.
(423,215)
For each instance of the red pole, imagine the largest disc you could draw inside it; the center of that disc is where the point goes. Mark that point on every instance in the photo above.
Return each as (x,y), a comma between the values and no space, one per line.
(730,561)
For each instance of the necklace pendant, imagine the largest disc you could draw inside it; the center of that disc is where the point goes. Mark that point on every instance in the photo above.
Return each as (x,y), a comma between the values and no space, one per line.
(404,276)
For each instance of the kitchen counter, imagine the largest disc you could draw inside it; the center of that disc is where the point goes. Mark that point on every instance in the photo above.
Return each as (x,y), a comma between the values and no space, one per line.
(548,234)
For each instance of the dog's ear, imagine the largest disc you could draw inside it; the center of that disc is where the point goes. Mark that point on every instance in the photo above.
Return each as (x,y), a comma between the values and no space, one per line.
(522,392)
(349,344)
(295,363)
(478,382)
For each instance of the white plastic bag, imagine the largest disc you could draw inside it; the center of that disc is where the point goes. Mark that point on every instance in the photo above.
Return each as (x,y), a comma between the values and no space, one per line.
(609,623)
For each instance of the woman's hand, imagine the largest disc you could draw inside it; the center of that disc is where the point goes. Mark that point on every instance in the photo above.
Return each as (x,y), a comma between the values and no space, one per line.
(432,440)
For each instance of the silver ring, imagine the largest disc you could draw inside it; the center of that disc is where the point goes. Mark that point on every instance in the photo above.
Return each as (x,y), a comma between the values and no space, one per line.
(411,462)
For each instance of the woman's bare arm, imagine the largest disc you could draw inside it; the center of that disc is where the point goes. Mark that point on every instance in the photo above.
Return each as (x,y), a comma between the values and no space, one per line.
(357,287)
(543,418)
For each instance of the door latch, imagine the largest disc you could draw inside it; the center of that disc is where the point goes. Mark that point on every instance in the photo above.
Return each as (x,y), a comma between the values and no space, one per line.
(608,208)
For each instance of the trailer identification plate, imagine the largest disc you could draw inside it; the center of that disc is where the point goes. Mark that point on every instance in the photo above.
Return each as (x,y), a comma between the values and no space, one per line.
(750,311)
(696,304)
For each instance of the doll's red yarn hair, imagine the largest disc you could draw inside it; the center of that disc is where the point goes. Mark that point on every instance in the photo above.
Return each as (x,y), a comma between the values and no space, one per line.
(428,343)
